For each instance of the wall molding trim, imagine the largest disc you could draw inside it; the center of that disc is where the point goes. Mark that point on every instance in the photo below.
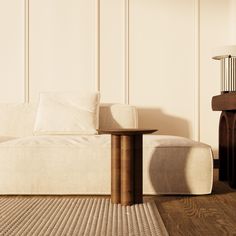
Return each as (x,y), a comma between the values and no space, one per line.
(126,53)
(26,52)
(196,84)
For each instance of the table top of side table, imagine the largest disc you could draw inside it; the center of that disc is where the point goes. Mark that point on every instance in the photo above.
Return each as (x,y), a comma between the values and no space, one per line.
(126,131)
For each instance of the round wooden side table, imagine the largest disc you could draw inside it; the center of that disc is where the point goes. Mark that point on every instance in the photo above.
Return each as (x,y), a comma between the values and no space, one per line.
(127,165)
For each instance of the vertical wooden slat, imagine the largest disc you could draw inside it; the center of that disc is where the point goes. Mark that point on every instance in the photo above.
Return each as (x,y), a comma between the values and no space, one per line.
(127,190)
(223,147)
(233,158)
(115,168)
(138,169)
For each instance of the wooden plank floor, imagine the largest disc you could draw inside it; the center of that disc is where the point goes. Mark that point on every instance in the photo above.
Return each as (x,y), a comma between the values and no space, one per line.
(206,215)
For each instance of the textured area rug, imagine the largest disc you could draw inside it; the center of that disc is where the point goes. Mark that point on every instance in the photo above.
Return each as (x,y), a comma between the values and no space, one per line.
(77,216)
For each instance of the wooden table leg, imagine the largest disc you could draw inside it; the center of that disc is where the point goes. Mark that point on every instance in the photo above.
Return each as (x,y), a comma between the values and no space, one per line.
(138,169)
(115,169)
(233,152)
(226,149)
(127,177)
(224,137)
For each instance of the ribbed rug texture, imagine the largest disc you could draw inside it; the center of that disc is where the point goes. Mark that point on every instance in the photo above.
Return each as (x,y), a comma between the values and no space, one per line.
(77,216)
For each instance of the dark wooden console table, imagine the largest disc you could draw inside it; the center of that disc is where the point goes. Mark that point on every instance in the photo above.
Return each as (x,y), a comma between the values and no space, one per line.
(126,165)
(226,103)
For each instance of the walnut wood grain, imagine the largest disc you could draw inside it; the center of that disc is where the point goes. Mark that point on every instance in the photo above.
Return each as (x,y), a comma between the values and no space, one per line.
(126,131)
(127,164)
(224,102)
(199,215)
(233,154)
(138,169)
(223,147)
(227,147)
(115,168)
(127,176)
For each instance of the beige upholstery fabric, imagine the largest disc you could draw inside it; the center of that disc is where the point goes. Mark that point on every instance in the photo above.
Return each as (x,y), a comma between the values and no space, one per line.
(118,116)
(177,165)
(81,165)
(6,138)
(63,164)
(67,113)
(17,120)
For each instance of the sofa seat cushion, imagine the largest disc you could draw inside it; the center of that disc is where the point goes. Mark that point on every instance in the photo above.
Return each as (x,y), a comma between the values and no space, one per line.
(80,164)
(178,165)
(56,141)
(55,164)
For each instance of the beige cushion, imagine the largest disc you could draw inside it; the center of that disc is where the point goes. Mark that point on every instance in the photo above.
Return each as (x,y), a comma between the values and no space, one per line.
(178,165)
(67,113)
(115,116)
(17,119)
(64,164)
(6,138)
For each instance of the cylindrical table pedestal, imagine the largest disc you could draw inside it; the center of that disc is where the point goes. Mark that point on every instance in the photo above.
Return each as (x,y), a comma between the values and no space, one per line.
(127,165)
(126,169)
(115,168)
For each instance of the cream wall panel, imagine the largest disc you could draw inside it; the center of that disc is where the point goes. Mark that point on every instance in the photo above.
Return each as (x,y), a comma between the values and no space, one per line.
(12,50)
(162,64)
(112,50)
(158,72)
(232,22)
(214,32)
(62,41)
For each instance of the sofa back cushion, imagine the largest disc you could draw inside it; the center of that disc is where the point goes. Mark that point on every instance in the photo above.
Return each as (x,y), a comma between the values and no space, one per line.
(113,116)
(17,119)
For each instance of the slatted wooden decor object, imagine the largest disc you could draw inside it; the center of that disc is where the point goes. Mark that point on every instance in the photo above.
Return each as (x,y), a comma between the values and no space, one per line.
(226,102)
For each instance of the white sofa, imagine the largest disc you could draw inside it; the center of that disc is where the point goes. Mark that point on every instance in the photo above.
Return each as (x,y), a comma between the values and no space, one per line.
(80,164)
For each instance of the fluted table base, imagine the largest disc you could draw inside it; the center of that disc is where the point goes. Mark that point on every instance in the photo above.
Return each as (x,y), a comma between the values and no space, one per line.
(227,147)
(126,169)
(127,165)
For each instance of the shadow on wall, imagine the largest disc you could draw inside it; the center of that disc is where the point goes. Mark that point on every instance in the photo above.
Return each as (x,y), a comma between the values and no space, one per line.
(166,124)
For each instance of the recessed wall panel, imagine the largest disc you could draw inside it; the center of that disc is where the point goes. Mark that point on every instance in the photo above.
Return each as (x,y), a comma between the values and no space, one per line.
(12,51)
(112,50)
(62,43)
(161,64)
